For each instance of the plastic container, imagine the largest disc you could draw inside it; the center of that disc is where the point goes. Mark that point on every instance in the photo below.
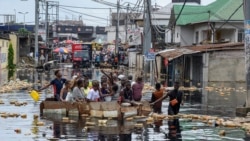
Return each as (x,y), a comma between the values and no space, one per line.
(108,98)
(35,96)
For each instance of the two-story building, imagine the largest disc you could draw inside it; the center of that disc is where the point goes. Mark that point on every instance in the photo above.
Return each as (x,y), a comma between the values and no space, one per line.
(218,24)
(209,51)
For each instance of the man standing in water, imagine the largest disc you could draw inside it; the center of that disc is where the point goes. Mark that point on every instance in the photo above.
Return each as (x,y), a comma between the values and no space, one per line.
(175,100)
(57,83)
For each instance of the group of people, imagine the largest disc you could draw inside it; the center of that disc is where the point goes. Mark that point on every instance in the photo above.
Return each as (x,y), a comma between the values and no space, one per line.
(110,58)
(113,87)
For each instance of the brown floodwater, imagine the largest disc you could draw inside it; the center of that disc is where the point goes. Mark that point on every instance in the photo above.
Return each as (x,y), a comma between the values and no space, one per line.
(175,130)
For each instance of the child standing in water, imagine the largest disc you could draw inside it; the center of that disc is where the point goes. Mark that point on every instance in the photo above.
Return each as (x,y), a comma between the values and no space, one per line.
(94,95)
(155,96)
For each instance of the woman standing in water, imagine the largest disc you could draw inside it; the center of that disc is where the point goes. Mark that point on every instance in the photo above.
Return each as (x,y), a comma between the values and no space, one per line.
(65,90)
(137,89)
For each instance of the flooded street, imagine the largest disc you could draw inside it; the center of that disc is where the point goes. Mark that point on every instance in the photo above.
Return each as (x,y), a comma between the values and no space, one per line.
(54,128)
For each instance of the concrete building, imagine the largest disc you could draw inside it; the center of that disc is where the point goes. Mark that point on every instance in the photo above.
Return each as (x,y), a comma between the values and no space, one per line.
(213,23)
(4,45)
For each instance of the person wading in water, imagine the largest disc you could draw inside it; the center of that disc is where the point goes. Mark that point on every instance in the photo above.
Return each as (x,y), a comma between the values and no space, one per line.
(57,84)
(175,100)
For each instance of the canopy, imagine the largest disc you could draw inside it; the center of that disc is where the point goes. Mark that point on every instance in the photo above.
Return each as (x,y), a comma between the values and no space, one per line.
(175,53)
(61,50)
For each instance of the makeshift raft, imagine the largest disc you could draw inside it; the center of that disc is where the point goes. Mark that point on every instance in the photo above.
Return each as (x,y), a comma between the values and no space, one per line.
(99,109)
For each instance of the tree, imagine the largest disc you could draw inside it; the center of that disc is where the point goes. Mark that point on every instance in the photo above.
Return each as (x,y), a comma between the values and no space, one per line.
(11,66)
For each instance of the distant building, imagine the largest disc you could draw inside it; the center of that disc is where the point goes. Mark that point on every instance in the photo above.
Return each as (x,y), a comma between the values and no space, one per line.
(124,18)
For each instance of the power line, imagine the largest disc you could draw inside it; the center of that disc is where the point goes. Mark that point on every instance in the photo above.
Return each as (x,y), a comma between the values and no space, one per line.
(178,16)
(230,16)
(84,14)
(223,19)
(85,7)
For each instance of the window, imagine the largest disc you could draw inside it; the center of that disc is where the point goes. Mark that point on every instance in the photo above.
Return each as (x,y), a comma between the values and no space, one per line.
(197,37)
(82,54)
(7,44)
(241,36)
(2,43)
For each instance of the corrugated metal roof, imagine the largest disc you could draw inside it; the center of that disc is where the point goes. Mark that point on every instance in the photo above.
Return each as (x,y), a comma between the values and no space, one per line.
(219,10)
(175,53)
(217,47)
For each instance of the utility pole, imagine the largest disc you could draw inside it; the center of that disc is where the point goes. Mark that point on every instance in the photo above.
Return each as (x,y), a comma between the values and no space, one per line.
(117,27)
(247,48)
(147,35)
(126,25)
(36,31)
(46,22)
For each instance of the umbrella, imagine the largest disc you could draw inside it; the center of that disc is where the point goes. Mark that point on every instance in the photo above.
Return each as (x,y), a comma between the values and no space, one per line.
(69,41)
(61,50)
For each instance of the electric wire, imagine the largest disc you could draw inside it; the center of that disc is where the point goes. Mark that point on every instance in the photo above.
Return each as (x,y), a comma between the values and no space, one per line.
(84,13)
(236,10)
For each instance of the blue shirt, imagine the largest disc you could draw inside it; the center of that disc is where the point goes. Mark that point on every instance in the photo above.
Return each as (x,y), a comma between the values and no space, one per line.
(57,85)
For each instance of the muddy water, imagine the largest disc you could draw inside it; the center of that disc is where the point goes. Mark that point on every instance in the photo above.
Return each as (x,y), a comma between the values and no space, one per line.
(176,130)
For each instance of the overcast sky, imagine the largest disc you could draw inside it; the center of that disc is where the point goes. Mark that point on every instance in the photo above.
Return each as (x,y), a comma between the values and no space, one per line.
(15,6)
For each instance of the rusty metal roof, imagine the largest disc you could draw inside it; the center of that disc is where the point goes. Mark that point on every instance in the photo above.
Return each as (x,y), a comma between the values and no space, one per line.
(177,52)
(217,47)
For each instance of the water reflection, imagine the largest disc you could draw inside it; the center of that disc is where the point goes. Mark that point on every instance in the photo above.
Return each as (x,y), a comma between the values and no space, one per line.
(174,130)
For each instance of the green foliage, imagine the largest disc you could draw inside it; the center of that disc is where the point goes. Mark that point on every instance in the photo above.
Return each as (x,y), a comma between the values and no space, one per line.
(11,66)
(23,32)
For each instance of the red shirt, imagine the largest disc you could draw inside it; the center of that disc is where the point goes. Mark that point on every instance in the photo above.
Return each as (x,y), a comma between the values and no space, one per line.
(137,91)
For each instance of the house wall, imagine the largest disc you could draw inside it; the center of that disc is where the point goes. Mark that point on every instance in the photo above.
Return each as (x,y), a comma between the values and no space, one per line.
(228,30)
(227,66)
(14,41)
(111,33)
(186,35)
(177,32)
(4,44)
(226,71)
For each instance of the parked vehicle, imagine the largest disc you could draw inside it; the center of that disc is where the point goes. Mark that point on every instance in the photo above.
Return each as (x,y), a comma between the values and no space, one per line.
(82,55)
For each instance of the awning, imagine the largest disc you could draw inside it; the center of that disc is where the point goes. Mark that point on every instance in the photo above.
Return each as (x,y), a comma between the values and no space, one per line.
(175,53)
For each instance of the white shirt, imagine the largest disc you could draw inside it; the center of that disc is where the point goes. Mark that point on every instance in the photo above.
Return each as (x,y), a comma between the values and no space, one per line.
(93,95)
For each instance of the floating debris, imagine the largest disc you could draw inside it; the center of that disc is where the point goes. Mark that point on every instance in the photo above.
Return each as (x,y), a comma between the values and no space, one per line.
(1,102)
(222,133)
(15,85)
(102,121)
(138,125)
(18,131)
(90,123)
(35,116)
(65,119)
(40,123)
(23,116)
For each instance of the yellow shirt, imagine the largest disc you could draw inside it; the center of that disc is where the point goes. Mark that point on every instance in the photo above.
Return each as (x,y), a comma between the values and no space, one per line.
(85,91)
(90,84)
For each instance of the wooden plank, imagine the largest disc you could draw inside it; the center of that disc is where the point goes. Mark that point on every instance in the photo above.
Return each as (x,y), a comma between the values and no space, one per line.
(96,113)
(95,105)
(110,106)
